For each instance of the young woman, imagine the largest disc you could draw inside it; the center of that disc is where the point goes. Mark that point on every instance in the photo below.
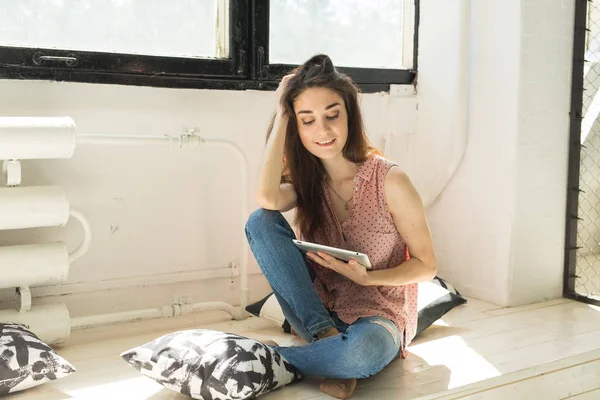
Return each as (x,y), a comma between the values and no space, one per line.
(318,160)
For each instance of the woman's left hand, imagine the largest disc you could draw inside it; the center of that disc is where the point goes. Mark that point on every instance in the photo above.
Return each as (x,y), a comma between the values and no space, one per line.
(351,270)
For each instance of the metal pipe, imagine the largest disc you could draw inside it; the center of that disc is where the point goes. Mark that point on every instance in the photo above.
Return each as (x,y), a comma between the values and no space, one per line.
(127,316)
(191,139)
(87,236)
(126,140)
(244,211)
(171,311)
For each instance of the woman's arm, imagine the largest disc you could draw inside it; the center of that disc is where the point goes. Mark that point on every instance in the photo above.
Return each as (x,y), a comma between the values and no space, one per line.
(270,194)
(408,213)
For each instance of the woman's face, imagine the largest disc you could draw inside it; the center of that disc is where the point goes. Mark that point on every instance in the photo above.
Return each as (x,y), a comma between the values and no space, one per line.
(322,121)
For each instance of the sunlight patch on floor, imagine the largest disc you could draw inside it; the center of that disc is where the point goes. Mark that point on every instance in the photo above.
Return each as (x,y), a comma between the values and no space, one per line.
(456,354)
(135,388)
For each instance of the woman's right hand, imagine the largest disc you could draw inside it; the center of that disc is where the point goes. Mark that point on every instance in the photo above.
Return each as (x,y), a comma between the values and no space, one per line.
(279,93)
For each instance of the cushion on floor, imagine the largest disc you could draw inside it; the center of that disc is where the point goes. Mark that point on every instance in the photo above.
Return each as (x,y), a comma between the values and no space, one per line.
(209,365)
(26,361)
(435,299)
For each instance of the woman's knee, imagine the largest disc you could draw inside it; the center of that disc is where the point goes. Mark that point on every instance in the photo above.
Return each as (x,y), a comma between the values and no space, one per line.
(371,349)
(261,219)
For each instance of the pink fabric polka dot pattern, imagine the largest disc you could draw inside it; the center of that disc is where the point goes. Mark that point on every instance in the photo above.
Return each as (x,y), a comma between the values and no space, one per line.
(369,229)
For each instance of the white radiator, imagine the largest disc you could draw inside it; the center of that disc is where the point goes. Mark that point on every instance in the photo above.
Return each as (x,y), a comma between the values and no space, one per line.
(23,266)
(28,207)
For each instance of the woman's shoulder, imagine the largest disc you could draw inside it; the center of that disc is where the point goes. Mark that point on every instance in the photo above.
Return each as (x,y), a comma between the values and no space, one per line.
(380,165)
(399,188)
(397,176)
(382,160)
(375,168)
(390,173)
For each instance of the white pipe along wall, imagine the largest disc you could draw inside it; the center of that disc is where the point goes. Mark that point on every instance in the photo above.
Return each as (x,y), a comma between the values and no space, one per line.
(187,139)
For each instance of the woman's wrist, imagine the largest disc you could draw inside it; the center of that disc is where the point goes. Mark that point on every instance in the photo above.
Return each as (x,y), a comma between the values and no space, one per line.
(367,279)
(281,121)
(281,115)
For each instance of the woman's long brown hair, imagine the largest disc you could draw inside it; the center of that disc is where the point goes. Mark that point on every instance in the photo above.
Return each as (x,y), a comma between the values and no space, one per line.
(301,168)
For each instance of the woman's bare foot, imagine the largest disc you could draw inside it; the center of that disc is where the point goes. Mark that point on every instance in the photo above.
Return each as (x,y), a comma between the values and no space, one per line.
(340,388)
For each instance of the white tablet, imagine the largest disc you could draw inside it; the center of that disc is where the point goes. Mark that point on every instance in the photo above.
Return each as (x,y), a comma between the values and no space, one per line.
(340,254)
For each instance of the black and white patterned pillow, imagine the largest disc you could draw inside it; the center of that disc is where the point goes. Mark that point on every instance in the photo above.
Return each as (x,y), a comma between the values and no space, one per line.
(26,361)
(211,365)
(439,281)
(436,298)
(268,308)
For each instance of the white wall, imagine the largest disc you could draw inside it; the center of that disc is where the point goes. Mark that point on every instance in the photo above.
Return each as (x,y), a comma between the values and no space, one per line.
(499,226)
(490,78)
(537,254)
(473,220)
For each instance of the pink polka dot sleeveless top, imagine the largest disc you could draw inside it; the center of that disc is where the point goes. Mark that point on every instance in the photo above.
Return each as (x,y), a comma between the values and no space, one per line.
(369,229)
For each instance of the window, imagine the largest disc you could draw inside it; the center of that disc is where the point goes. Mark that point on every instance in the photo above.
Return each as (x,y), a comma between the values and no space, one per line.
(344,29)
(229,44)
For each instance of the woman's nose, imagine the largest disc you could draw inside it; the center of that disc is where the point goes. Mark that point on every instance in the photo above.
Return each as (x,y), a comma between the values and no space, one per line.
(323,126)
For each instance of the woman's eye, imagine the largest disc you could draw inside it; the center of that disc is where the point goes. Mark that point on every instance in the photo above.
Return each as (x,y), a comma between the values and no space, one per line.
(333,117)
(308,122)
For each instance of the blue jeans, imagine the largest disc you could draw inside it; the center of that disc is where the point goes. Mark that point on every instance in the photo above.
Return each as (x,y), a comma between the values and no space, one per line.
(361,350)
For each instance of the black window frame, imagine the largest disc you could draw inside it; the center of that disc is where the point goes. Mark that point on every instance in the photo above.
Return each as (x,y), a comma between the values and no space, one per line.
(246,68)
